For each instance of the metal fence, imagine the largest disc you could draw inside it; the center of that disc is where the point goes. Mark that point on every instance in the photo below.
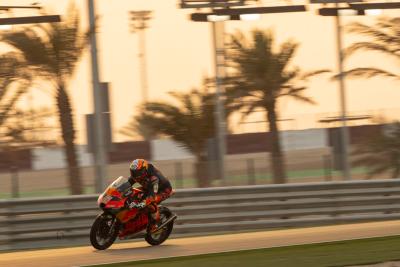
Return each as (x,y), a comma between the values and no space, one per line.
(244,169)
(65,221)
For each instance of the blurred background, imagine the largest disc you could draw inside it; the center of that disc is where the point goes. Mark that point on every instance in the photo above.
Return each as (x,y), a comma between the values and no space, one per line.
(211,101)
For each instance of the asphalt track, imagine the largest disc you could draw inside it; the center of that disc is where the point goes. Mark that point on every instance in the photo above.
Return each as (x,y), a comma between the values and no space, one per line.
(78,256)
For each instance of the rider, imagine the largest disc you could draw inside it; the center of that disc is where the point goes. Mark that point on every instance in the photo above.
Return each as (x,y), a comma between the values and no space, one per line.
(155,186)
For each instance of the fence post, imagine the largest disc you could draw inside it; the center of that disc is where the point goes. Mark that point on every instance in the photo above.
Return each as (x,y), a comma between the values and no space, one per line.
(14,182)
(251,172)
(327,167)
(179,174)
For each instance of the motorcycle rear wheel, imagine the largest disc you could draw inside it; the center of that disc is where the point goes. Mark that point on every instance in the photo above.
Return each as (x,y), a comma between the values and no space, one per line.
(104,231)
(157,238)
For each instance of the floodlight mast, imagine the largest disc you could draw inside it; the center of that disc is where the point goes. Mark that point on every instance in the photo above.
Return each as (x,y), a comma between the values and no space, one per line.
(357,8)
(138,25)
(100,155)
(344,131)
(219,61)
(217,17)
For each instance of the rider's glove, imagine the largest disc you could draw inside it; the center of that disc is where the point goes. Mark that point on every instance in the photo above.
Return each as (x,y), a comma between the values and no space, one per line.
(140,205)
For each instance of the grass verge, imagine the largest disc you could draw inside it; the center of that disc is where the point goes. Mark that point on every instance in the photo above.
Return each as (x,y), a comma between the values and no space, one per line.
(342,253)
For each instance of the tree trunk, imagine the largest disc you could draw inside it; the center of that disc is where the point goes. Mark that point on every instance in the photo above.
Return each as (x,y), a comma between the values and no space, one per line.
(277,159)
(202,172)
(68,135)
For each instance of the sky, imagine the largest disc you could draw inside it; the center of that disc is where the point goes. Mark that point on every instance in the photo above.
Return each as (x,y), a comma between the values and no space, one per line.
(179,55)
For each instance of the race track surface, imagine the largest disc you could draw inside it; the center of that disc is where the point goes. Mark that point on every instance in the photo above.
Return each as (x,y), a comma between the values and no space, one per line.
(78,256)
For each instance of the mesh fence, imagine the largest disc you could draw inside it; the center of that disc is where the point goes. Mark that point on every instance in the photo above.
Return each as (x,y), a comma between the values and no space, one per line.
(246,169)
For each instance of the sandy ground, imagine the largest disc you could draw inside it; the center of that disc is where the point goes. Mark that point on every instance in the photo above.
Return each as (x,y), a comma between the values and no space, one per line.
(131,251)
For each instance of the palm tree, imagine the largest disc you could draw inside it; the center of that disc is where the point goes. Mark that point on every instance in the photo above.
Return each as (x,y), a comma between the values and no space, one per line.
(190,122)
(380,153)
(52,52)
(137,128)
(27,128)
(14,82)
(262,76)
(384,38)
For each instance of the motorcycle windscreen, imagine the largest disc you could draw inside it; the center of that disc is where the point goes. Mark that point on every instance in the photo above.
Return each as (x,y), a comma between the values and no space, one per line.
(121,184)
(114,193)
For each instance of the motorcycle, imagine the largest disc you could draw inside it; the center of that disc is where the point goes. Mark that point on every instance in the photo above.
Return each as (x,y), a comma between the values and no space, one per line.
(125,219)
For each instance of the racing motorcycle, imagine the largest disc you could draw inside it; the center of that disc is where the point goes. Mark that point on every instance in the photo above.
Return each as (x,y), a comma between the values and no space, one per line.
(127,219)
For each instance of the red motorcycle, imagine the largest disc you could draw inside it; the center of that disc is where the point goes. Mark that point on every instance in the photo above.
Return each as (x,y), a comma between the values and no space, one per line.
(123,219)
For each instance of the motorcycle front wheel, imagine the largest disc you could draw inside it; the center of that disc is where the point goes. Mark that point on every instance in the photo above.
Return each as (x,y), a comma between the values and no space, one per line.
(104,231)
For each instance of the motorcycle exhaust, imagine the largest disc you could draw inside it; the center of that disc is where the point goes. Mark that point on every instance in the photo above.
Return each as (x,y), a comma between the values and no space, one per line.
(170,219)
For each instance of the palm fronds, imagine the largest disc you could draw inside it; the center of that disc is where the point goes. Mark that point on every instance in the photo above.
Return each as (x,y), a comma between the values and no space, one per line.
(263,74)
(383,37)
(381,154)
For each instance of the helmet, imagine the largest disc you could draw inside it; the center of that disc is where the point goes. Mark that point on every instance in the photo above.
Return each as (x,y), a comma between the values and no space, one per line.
(138,168)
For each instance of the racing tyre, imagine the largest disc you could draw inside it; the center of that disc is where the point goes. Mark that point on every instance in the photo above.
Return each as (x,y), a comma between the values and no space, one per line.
(104,231)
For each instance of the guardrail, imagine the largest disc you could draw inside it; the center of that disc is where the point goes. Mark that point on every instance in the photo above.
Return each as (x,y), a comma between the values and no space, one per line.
(65,221)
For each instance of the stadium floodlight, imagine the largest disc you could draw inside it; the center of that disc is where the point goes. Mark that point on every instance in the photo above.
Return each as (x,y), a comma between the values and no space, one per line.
(344,11)
(333,1)
(260,10)
(211,17)
(6,23)
(250,17)
(373,12)
(20,7)
(215,18)
(375,6)
(210,3)
(340,11)
(5,27)
(32,19)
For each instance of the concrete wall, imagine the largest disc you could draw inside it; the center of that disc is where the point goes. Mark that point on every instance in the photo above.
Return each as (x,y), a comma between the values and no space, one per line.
(290,140)
(54,158)
(165,149)
(304,139)
(169,150)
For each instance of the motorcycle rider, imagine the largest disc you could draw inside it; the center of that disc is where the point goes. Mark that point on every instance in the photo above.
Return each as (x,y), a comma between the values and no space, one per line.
(155,186)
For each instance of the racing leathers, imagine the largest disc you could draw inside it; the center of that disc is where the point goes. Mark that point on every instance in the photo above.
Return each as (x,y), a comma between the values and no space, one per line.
(156,188)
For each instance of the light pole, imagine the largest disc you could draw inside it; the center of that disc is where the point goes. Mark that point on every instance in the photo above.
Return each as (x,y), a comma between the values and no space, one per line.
(344,131)
(139,24)
(218,37)
(220,120)
(100,156)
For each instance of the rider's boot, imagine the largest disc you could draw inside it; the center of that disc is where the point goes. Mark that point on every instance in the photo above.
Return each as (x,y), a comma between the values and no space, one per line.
(154,221)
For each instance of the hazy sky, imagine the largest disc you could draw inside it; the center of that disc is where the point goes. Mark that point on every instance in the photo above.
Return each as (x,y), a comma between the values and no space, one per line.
(179,54)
